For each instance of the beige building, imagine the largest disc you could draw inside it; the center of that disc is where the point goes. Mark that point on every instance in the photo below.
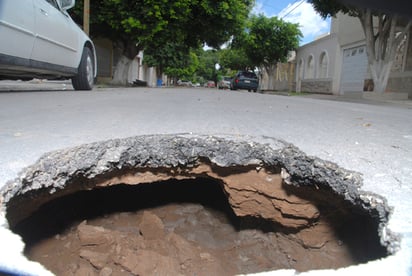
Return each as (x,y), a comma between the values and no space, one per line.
(337,63)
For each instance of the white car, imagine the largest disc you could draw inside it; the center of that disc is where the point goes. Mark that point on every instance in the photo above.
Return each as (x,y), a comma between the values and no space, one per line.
(38,39)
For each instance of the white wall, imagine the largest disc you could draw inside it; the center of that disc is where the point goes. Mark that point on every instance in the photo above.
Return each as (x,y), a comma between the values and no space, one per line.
(348,29)
(346,33)
(133,71)
(329,46)
(140,71)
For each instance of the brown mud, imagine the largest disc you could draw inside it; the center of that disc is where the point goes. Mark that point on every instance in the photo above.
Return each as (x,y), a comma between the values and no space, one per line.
(238,223)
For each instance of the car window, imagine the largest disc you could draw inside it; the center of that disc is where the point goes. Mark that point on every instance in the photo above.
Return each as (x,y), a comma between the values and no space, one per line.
(250,75)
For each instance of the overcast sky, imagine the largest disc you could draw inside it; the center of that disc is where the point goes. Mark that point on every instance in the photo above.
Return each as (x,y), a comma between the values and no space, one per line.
(311,24)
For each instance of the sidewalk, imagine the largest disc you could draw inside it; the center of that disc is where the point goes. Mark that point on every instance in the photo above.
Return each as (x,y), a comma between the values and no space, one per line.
(332,97)
(35,85)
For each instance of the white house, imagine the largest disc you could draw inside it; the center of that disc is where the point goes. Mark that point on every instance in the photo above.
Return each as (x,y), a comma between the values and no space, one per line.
(337,63)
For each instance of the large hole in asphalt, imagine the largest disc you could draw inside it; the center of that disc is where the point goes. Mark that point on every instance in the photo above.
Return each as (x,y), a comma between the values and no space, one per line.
(198,219)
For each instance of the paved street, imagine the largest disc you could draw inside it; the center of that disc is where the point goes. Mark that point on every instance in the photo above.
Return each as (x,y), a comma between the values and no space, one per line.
(374,139)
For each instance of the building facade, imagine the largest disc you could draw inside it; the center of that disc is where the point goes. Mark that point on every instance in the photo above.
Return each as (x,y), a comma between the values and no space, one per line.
(337,63)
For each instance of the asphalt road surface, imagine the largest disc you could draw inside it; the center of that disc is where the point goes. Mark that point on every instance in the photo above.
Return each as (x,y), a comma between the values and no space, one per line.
(374,139)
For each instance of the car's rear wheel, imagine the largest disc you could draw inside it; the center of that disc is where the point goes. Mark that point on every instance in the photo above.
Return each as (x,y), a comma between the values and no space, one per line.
(84,80)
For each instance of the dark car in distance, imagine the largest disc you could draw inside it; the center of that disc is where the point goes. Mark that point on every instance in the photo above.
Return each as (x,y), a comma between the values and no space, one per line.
(245,80)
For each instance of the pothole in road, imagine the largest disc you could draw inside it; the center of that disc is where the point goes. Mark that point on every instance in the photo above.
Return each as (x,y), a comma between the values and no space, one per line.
(205,206)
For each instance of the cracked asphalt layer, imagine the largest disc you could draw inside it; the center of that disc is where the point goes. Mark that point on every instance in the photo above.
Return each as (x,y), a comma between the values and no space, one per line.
(373,139)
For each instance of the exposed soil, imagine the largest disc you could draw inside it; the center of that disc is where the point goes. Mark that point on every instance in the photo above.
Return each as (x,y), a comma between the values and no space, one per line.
(188,227)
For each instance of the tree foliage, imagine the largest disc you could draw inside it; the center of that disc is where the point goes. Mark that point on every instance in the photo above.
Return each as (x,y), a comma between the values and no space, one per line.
(234,58)
(268,41)
(383,33)
(207,62)
(132,24)
(143,24)
(174,59)
(330,8)
(187,71)
(264,42)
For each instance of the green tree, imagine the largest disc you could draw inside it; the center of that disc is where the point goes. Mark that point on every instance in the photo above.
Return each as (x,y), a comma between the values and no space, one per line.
(207,62)
(234,58)
(139,24)
(383,34)
(267,41)
(186,72)
(175,60)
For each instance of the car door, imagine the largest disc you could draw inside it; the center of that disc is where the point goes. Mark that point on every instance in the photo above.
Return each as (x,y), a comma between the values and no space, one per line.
(56,39)
(16,31)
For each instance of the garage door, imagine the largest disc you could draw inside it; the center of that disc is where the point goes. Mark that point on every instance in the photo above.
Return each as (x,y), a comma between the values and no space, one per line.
(354,69)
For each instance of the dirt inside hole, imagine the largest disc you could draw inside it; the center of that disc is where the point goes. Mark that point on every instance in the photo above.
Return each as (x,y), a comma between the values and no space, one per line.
(188,227)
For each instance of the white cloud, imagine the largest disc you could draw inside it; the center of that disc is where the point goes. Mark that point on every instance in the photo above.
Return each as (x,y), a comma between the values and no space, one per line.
(311,24)
(258,8)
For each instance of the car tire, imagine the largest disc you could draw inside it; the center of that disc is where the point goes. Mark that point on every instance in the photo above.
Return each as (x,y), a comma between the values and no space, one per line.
(84,80)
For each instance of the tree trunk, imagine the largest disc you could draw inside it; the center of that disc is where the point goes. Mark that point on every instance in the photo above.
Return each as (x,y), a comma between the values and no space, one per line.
(270,71)
(380,75)
(121,71)
(129,51)
(381,45)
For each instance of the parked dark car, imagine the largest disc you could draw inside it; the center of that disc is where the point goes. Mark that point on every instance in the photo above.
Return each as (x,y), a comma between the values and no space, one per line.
(245,80)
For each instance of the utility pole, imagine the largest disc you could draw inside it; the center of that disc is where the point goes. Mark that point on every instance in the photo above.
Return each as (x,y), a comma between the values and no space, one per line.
(86,16)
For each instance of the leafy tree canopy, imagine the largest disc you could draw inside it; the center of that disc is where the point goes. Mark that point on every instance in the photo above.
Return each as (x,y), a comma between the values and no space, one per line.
(267,41)
(330,8)
(174,59)
(188,22)
(207,61)
(235,59)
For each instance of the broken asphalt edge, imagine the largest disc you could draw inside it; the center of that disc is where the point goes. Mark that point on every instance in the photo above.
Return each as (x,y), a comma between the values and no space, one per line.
(55,171)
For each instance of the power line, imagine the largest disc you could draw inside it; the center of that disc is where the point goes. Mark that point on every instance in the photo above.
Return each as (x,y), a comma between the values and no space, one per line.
(294,8)
(264,4)
(291,6)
